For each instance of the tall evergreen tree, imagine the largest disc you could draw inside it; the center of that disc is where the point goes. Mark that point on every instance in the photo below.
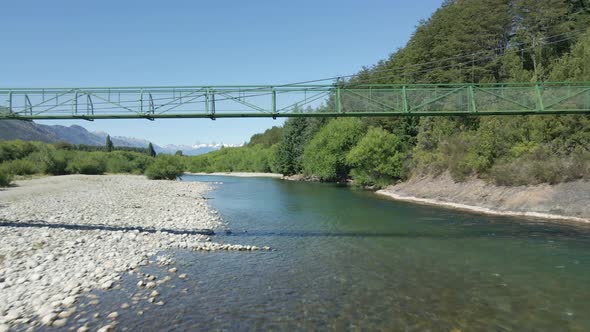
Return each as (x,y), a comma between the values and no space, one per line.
(109,144)
(151,150)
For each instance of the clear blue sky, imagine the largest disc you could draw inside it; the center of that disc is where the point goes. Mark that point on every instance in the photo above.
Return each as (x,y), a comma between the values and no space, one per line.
(123,43)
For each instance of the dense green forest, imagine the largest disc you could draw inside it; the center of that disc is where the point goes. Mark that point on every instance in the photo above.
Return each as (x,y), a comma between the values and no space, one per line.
(465,41)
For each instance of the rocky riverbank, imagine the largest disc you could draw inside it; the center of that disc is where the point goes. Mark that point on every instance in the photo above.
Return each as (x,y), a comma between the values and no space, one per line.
(564,201)
(64,236)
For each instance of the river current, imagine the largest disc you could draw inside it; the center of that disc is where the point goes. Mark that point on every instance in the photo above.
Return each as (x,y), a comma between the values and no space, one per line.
(346,259)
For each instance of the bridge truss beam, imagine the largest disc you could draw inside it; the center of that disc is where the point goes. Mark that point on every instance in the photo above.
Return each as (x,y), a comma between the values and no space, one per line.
(294,101)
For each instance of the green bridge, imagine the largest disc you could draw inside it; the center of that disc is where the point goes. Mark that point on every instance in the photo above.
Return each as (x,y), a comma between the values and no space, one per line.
(294,101)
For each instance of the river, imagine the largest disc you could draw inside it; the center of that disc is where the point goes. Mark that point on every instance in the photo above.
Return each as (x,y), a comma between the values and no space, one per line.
(346,259)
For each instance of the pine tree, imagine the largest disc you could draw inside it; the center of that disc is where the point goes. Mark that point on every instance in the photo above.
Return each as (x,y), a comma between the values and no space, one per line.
(151,150)
(109,144)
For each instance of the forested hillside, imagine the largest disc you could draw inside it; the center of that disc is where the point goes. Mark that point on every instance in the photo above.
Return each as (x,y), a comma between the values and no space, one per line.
(478,41)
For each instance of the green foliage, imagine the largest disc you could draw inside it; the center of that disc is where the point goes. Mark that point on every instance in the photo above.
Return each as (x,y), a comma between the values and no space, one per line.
(240,159)
(267,139)
(26,158)
(21,167)
(127,162)
(151,150)
(109,144)
(325,154)
(541,166)
(88,163)
(5,178)
(290,149)
(376,159)
(165,167)
(52,161)
(17,149)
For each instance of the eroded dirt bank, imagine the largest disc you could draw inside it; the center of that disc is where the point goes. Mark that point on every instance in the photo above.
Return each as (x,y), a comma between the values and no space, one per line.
(565,201)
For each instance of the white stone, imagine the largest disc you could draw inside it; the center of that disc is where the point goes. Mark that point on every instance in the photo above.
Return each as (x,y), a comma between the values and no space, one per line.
(83,328)
(107,284)
(59,323)
(69,301)
(106,328)
(48,319)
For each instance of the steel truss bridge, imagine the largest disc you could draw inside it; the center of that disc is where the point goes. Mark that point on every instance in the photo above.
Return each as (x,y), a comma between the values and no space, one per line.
(294,101)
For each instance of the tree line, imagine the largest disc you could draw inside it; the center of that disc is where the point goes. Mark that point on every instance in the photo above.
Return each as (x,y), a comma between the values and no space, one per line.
(20,158)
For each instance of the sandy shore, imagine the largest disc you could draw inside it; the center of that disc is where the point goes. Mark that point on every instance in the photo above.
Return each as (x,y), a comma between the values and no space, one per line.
(565,201)
(64,236)
(242,174)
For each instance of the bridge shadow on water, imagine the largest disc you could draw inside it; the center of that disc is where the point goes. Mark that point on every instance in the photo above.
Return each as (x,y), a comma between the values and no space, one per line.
(44,224)
(517,232)
(510,231)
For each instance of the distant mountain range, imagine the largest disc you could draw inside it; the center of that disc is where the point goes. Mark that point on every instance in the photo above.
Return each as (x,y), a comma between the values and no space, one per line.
(31,131)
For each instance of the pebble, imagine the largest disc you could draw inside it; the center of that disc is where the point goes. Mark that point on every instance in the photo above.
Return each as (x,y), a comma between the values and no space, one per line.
(150,284)
(155,293)
(113,315)
(107,285)
(106,328)
(83,328)
(67,313)
(183,276)
(60,322)
(48,319)
(124,305)
(69,301)
(172,270)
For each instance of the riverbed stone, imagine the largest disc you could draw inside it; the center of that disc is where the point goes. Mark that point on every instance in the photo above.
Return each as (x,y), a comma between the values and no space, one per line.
(59,322)
(48,318)
(106,328)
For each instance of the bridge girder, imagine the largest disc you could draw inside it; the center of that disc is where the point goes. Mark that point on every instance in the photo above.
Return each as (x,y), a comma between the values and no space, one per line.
(295,101)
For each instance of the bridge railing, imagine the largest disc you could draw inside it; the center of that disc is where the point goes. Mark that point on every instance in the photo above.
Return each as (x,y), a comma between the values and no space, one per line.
(294,100)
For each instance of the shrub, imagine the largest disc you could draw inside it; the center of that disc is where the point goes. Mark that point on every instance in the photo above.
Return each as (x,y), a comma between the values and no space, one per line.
(5,178)
(21,167)
(51,161)
(87,163)
(325,155)
(376,159)
(165,167)
(541,166)
(17,149)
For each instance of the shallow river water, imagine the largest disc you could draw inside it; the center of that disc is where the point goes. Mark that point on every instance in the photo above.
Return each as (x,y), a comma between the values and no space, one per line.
(346,259)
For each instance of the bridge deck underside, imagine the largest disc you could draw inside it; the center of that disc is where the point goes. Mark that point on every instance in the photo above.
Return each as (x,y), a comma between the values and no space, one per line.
(294,101)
